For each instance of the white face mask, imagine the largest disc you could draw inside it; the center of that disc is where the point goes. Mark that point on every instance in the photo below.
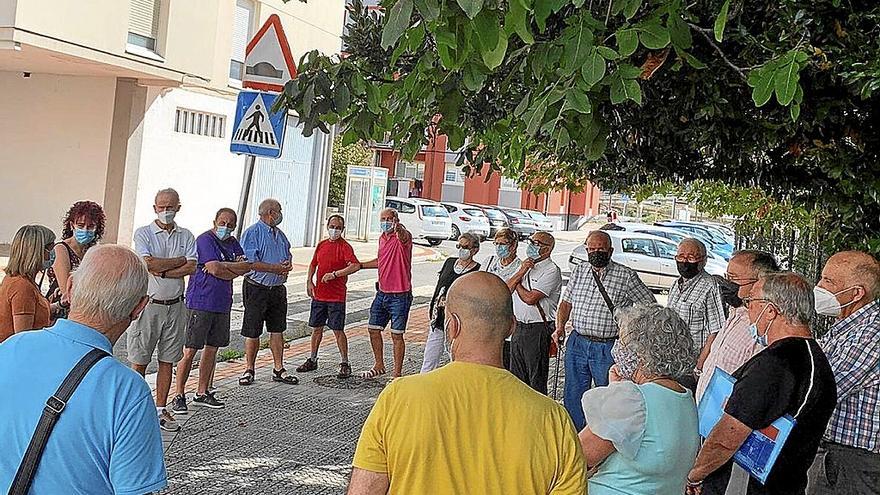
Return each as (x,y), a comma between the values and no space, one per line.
(167,216)
(334,234)
(464,254)
(827,303)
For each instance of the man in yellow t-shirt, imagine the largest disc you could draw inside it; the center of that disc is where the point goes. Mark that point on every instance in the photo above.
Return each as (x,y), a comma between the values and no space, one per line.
(471,426)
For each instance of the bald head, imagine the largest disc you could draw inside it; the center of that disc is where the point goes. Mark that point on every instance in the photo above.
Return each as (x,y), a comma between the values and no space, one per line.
(484,308)
(852,268)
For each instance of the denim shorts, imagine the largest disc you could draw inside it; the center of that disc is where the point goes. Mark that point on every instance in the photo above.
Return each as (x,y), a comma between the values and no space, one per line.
(393,307)
(327,314)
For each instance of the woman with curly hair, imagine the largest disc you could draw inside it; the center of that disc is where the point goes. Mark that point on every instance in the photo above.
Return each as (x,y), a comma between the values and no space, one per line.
(83,228)
(642,430)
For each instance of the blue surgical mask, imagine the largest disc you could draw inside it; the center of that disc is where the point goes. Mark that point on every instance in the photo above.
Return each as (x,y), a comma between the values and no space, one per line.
(753,330)
(83,236)
(223,233)
(502,250)
(533,251)
(49,262)
(386,226)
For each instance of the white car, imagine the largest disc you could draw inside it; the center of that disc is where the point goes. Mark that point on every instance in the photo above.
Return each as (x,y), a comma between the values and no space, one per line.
(467,219)
(544,222)
(426,220)
(652,258)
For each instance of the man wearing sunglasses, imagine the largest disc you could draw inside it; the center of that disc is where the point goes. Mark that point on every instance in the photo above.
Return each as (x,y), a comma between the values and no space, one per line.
(534,305)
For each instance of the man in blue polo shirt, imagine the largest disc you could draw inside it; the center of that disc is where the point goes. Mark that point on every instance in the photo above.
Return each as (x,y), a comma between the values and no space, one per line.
(209,301)
(264,294)
(106,440)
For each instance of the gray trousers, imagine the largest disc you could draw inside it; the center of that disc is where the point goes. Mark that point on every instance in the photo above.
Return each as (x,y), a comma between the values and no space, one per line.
(842,470)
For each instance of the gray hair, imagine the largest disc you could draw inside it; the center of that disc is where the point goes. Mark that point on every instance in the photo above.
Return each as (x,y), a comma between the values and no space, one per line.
(696,242)
(170,192)
(266,204)
(110,282)
(792,295)
(471,237)
(761,262)
(660,339)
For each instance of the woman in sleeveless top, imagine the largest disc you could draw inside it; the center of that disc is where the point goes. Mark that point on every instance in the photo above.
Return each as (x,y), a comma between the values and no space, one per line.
(83,228)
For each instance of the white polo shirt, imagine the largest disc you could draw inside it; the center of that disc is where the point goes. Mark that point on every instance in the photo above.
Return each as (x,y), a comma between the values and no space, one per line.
(546,277)
(152,240)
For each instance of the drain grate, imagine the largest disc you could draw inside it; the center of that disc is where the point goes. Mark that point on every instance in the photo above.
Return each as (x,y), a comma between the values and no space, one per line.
(351,383)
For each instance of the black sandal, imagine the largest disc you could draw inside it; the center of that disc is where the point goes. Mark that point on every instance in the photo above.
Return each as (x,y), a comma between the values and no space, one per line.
(284,377)
(246,378)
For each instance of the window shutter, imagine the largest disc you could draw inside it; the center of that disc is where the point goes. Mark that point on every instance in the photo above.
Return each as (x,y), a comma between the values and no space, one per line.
(144,18)
(241,29)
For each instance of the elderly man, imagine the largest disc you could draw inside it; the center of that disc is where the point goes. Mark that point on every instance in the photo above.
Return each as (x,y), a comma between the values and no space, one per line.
(209,300)
(849,460)
(394,291)
(470,426)
(109,440)
(170,253)
(595,290)
(264,294)
(791,376)
(333,261)
(534,305)
(734,344)
(697,300)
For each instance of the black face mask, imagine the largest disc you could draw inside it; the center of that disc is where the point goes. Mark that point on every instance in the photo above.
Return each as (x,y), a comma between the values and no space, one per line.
(729,292)
(687,269)
(599,259)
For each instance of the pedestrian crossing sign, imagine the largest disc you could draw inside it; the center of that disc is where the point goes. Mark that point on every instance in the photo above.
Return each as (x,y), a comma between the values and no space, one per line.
(258,131)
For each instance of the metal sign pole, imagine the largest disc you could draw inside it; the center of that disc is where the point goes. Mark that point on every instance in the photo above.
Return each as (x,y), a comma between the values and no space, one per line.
(245,192)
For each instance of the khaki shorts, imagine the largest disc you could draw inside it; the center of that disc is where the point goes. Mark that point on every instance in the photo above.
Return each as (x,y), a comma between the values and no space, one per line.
(160,328)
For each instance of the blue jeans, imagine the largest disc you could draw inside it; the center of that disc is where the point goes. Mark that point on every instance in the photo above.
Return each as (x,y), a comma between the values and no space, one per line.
(586,362)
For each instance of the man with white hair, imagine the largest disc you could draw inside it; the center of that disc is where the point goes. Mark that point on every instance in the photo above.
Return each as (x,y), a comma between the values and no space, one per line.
(109,441)
(170,253)
(264,293)
(696,298)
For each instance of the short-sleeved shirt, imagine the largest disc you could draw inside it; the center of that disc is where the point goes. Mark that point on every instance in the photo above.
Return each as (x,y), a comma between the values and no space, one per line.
(20,296)
(107,440)
(698,302)
(152,240)
(733,346)
(590,315)
(546,277)
(470,428)
(505,272)
(268,245)
(206,292)
(395,264)
(791,376)
(331,256)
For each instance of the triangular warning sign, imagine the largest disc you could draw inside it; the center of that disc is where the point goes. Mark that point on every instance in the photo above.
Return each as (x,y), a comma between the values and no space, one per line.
(268,64)
(255,128)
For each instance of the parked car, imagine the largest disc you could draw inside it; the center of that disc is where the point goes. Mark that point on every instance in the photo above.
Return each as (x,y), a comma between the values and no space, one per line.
(424,219)
(467,219)
(722,245)
(652,258)
(543,222)
(676,236)
(497,220)
(519,222)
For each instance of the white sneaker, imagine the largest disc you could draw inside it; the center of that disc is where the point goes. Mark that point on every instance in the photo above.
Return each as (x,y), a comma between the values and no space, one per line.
(167,421)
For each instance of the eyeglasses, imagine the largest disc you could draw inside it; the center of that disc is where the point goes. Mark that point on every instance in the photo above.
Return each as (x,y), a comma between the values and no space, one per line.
(463,246)
(502,243)
(740,281)
(748,300)
(536,242)
(689,258)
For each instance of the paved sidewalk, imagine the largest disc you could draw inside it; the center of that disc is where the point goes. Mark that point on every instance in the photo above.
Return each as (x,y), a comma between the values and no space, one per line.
(285,439)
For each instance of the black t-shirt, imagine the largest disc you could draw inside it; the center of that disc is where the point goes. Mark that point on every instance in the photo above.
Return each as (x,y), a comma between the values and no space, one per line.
(776,382)
(444,281)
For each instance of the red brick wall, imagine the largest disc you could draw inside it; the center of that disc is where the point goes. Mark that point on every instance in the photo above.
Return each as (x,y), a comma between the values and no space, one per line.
(478,191)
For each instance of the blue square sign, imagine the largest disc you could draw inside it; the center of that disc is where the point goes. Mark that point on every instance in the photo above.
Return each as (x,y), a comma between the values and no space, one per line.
(257,131)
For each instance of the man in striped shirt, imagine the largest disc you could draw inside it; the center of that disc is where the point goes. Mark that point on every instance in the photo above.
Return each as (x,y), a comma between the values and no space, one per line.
(849,458)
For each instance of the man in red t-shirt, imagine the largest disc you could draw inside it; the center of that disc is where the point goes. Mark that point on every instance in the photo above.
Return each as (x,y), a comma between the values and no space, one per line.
(334,261)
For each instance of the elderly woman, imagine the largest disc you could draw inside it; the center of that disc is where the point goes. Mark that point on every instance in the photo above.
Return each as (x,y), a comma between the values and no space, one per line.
(468,246)
(22,307)
(642,431)
(82,229)
(506,264)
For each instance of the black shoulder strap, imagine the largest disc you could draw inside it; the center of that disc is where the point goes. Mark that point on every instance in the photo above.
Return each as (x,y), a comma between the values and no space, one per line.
(602,291)
(54,407)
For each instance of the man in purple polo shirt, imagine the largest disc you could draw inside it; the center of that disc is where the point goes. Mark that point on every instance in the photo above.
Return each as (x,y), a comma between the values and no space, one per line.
(209,301)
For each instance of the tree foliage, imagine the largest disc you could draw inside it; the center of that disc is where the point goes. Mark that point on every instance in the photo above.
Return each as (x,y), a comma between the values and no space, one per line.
(780,95)
(344,156)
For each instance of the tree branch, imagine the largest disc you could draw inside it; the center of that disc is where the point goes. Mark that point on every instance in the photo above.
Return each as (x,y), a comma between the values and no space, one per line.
(717,48)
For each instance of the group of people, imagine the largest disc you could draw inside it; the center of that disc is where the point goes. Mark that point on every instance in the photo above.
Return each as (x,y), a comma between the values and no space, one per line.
(481,424)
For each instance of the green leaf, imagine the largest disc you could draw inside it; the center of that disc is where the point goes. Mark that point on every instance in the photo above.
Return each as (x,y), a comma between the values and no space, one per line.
(594,69)
(629,71)
(633,90)
(627,41)
(653,35)
(578,40)
(578,100)
(608,53)
(374,99)
(625,89)
(679,32)
(543,9)
(523,104)
(493,58)
(486,30)
(631,8)
(617,6)
(396,22)
(342,98)
(308,100)
(795,110)
(516,21)
(533,122)
(471,7)
(429,9)
(690,59)
(597,147)
(761,80)
(562,138)
(785,80)
(721,21)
